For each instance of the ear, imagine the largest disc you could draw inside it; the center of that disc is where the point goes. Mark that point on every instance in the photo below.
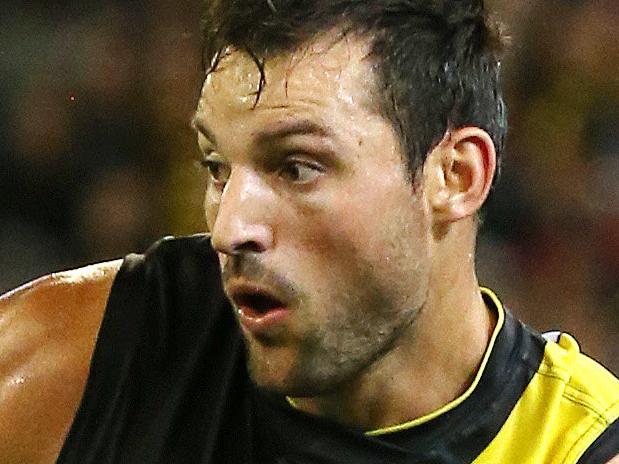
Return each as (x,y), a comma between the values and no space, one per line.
(458,174)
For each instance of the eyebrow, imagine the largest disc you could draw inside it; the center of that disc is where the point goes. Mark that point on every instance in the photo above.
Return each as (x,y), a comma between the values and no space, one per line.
(279,131)
(198,125)
(295,127)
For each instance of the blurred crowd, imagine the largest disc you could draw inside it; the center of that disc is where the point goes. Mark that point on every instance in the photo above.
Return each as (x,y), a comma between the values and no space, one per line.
(97,158)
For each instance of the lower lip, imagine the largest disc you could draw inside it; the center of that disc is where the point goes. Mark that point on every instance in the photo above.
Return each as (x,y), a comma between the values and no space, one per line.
(256,322)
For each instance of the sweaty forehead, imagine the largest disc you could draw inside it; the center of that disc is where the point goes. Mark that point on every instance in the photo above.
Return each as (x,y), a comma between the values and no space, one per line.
(331,70)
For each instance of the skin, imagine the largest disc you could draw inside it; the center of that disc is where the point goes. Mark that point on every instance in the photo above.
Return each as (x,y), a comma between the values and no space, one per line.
(378,273)
(47,334)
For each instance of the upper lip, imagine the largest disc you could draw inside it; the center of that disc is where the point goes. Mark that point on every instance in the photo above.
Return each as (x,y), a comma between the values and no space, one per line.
(241,292)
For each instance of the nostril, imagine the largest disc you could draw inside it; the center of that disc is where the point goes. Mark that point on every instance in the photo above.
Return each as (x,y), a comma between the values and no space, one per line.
(239,230)
(247,246)
(246,238)
(240,245)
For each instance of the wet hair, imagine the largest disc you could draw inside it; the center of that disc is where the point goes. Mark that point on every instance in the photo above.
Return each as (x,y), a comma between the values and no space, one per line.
(436,62)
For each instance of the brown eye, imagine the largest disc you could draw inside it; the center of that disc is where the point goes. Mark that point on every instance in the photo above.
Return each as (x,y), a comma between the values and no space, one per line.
(218,172)
(300,172)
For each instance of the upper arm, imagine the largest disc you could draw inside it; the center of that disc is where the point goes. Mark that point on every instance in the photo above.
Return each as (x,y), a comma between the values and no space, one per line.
(48,329)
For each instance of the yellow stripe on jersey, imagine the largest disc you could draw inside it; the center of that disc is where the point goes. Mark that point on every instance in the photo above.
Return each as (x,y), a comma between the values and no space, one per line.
(566,406)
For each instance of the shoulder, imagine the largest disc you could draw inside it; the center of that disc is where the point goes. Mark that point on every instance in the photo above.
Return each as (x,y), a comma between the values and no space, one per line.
(583,383)
(72,283)
(568,411)
(580,401)
(591,394)
(48,329)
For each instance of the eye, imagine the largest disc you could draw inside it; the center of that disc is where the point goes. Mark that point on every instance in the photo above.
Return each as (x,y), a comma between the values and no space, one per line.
(218,171)
(300,171)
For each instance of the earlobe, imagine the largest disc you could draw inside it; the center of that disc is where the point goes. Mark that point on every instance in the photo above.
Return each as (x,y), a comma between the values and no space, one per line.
(458,173)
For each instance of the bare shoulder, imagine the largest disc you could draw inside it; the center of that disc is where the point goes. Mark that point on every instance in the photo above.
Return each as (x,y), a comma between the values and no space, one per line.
(48,329)
(614,460)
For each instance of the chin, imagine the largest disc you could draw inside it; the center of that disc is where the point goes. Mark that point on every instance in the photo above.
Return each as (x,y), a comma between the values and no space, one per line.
(291,383)
(289,371)
(277,385)
(269,371)
(267,376)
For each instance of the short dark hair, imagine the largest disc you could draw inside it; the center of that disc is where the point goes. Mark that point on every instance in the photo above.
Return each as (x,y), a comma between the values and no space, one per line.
(437,62)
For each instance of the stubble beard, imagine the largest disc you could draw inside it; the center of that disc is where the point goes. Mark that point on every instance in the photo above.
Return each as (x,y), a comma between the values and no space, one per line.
(362,329)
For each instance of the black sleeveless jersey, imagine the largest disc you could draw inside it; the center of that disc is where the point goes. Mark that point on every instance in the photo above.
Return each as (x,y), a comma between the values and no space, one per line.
(168,384)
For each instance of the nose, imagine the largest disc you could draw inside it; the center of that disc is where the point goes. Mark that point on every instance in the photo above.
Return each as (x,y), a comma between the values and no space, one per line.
(242,217)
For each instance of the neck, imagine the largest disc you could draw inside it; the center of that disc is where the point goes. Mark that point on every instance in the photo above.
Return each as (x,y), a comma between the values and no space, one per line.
(432,363)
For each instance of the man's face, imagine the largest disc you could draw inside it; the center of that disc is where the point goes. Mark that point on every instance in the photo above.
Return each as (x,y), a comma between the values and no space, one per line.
(322,238)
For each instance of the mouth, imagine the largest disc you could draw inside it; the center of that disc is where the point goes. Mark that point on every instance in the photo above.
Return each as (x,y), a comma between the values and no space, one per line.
(257,303)
(259,310)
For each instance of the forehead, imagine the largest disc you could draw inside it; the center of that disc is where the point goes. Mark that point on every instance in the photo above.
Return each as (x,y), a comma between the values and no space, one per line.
(331,72)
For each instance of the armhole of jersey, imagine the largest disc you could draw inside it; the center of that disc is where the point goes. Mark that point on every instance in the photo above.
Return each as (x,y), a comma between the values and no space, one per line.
(604,448)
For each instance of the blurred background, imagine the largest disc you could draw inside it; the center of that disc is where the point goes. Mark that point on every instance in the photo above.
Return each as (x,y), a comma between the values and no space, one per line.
(97,158)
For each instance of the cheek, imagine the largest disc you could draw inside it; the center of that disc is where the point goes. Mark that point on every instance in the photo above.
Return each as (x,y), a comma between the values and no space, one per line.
(332,240)
(386,240)
(327,228)
(389,223)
